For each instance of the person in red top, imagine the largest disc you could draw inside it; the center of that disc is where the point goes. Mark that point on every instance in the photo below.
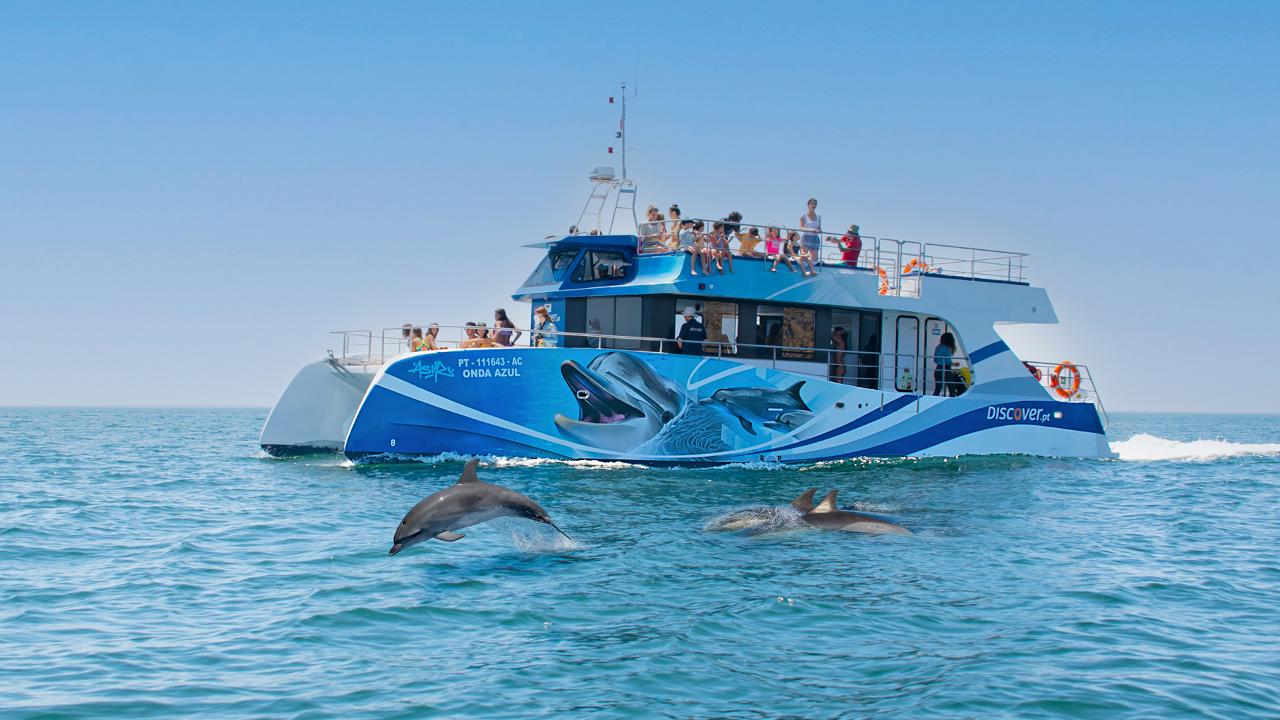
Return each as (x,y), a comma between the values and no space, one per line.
(851,246)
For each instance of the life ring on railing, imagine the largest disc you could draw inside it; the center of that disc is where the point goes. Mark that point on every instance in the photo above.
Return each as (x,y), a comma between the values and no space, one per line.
(884,280)
(915,264)
(1055,380)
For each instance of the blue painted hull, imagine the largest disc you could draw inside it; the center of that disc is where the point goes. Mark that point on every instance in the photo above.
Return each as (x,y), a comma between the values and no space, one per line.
(665,409)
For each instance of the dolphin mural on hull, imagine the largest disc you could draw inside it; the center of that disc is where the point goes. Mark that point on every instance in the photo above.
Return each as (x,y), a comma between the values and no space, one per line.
(765,407)
(622,402)
(624,405)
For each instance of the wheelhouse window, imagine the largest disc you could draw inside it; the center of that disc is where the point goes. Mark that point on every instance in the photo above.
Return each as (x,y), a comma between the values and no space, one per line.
(601,265)
(552,267)
(786,327)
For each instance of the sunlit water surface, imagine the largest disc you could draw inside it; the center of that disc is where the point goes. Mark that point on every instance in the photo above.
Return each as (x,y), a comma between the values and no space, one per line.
(152,563)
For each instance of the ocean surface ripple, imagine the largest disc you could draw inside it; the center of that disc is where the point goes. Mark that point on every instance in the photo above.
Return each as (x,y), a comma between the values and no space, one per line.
(154,564)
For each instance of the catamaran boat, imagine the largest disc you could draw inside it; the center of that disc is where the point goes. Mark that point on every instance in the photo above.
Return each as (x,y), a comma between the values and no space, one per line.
(794,368)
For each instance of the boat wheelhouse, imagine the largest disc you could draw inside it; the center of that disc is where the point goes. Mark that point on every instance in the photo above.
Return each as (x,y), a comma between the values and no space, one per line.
(772,381)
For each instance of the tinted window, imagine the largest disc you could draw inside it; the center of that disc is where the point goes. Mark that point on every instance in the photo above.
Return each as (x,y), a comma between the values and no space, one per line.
(601,265)
(551,268)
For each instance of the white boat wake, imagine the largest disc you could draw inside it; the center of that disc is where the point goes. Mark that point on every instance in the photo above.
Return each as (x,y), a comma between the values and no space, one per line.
(1149,447)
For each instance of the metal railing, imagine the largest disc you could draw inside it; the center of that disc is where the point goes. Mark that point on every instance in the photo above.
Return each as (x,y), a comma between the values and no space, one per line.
(903,261)
(1088,391)
(912,373)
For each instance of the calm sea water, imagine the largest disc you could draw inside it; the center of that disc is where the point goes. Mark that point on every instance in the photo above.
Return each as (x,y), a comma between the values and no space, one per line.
(152,563)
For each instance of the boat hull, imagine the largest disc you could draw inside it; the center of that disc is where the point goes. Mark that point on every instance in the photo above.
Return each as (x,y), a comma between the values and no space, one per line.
(315,411)
(664,409)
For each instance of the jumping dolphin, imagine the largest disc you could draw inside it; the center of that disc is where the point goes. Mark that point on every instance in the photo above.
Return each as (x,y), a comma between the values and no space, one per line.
(622,402)
(829,517)
(765,516)
(465,503)
(774,409)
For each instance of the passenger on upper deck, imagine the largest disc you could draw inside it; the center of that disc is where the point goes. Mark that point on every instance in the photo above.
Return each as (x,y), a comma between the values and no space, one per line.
(778,250)
(674,225)
(811,242)
(504,329)
(794,249)
(718,247)
(732,223)
(748,241)
(652,236)
(850,246)
(692,334)
(545,335)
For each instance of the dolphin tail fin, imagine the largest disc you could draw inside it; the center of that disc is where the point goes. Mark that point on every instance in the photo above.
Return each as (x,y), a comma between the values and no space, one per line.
(746,425)
(469,472)
(804,503)
(794,391)
(449,536)
(828,503)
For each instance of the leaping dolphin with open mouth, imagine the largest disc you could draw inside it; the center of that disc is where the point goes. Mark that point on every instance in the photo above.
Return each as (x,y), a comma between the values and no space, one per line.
(622,402)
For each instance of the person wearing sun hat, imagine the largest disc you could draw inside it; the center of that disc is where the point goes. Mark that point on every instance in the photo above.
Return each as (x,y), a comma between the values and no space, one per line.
(851,246)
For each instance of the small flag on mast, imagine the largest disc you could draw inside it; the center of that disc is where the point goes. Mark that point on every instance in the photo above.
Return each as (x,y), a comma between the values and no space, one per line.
(610,151)
(610,100)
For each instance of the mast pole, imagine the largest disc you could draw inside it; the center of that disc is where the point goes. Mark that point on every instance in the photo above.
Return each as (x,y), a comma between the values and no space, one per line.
(622,131)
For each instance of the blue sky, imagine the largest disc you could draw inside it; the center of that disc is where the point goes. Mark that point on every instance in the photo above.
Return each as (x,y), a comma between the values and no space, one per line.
(192,195)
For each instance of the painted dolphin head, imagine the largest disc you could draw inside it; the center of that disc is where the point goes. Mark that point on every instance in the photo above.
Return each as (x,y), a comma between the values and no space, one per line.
(622,402)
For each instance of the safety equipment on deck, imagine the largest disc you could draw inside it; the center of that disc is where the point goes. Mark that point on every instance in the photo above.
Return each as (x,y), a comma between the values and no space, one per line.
(916,264)
(884,280)
(1065,390)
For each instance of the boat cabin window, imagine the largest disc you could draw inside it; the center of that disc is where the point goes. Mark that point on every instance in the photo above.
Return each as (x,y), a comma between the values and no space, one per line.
(720,320)
(786,327)
(601,265)
(607,317)
(552,267)
(855,348)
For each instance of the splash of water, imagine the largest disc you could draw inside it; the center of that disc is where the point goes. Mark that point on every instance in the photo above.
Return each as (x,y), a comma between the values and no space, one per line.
(1149,447)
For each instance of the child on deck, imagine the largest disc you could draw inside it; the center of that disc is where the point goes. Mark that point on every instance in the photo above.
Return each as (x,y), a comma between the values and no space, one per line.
(795,247)
(747,243)
(719,245)
(778,250)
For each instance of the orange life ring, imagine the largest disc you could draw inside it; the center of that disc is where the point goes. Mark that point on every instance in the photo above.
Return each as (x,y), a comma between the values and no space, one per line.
(1055,380)
(916,264)
(884,280)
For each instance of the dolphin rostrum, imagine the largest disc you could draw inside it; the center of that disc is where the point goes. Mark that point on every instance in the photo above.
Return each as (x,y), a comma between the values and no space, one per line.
(829,517)
(465,503)
(767,517)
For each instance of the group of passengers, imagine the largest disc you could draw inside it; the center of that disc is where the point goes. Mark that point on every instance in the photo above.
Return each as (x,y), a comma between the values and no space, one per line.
(477,335)
(800,248)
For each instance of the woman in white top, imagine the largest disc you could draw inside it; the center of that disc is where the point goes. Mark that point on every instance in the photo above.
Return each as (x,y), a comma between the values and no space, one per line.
(811,242)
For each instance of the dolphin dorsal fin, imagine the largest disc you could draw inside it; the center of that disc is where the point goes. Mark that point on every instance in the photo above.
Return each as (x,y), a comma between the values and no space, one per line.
(828,503)
(794,391)
(804,503)
(469,472)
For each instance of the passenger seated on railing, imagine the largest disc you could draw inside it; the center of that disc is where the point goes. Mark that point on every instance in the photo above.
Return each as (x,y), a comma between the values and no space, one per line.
(794,248)
(776,248)
(718,247)
(652,236)
(545,330)
(504,329)
(692,334)
(674,225)
(850,246)
(748,241)
(946,381)
(693,242)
